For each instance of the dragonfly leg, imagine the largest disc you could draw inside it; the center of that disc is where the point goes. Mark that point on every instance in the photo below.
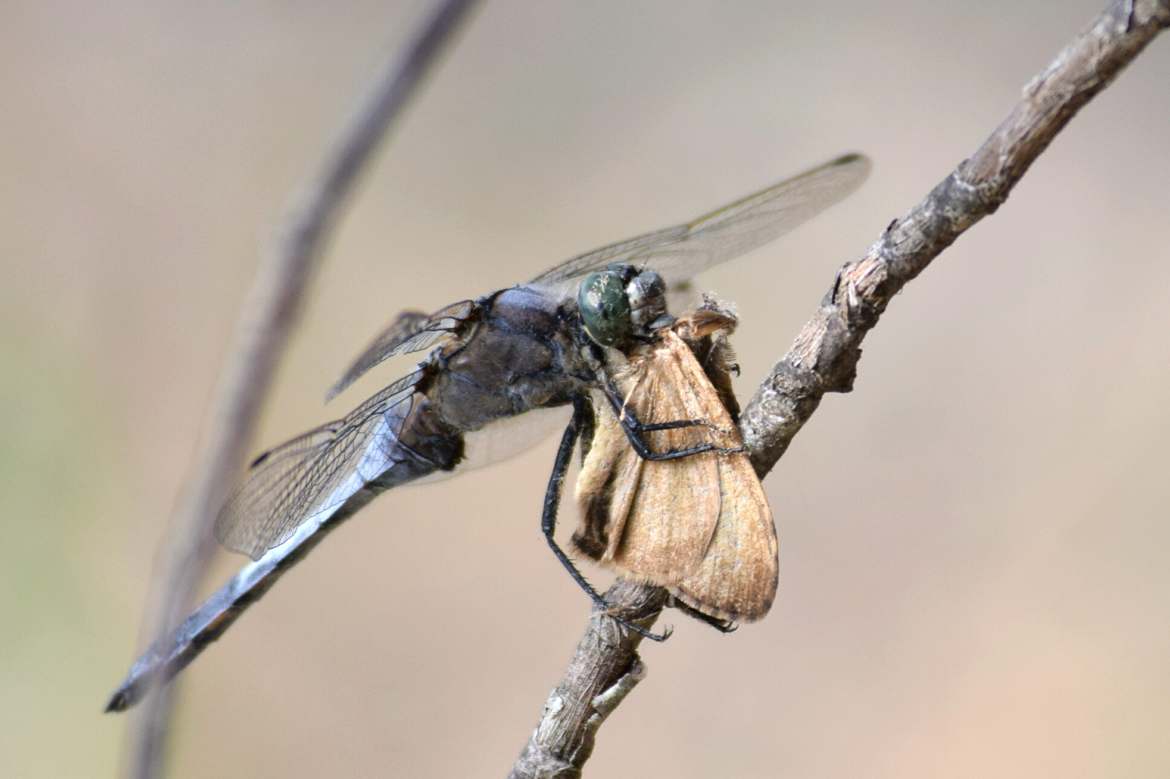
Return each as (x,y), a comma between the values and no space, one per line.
(548,519)
(635,430)
(722,625)
(587,428)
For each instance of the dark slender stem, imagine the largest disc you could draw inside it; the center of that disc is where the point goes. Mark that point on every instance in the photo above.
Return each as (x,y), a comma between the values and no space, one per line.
(825,354)
(273,307)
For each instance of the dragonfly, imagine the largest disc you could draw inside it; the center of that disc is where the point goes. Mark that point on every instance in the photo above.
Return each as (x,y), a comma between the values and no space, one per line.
(552,342)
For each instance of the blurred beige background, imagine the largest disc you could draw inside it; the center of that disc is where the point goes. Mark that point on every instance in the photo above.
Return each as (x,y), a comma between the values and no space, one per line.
(973,543)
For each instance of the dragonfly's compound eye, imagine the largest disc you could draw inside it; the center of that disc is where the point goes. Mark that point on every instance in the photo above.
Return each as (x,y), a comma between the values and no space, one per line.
(647,296)
(605,310)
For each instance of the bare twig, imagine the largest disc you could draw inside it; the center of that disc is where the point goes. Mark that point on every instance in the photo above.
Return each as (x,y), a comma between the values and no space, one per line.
(271,310)
(603,670)
(825,354)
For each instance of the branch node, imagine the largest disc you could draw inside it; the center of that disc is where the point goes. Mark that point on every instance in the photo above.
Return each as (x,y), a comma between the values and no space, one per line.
(605,703)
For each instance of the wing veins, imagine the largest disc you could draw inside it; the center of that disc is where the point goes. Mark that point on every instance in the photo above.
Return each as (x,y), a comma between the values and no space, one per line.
(287,485)
(683,250)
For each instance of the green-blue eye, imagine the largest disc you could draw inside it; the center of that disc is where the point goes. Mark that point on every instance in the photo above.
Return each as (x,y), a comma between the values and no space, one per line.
(605,310)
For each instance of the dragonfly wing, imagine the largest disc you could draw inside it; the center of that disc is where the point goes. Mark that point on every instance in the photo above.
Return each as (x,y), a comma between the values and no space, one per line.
(620,252)
(316,472)
(680,252)
(411,331)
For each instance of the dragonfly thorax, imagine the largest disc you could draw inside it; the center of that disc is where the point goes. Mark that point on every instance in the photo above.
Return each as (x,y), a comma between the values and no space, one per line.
(621,304)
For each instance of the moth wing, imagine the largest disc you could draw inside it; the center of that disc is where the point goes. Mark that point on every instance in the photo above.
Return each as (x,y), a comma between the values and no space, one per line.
(738,576)
(606,488)
(653,520)
(673,513)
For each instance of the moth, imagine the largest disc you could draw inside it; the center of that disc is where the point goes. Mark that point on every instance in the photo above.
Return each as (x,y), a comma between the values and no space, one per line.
(699,526)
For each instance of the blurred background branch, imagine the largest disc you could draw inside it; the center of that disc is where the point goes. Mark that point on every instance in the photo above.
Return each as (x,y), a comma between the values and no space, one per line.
(824,356)
(266,323)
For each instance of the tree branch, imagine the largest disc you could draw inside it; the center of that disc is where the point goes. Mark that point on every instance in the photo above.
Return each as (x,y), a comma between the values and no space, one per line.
(603,670)
(824,356)
(272,308)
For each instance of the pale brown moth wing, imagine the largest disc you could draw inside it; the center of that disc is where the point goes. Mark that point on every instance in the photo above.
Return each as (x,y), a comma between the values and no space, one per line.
(673,516)
(737,577)
(605,488)
(706,332)
(653,521)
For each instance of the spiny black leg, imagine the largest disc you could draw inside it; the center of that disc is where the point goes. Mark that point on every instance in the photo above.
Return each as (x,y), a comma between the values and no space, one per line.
(548,519)
(587,428)
(722,625)
(631,422)
(634,430)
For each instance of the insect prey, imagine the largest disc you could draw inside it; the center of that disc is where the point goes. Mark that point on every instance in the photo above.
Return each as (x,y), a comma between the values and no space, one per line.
(699,526)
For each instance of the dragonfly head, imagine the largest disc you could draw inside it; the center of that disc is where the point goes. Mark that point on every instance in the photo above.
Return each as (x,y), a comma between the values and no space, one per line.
(621,304)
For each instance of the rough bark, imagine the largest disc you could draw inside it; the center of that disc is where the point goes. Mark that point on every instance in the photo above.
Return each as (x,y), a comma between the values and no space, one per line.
(826,352)
(603,670)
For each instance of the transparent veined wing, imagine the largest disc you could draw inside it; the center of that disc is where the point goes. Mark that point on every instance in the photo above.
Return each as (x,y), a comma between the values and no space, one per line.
(411,331)
(316,472)
(682,251)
